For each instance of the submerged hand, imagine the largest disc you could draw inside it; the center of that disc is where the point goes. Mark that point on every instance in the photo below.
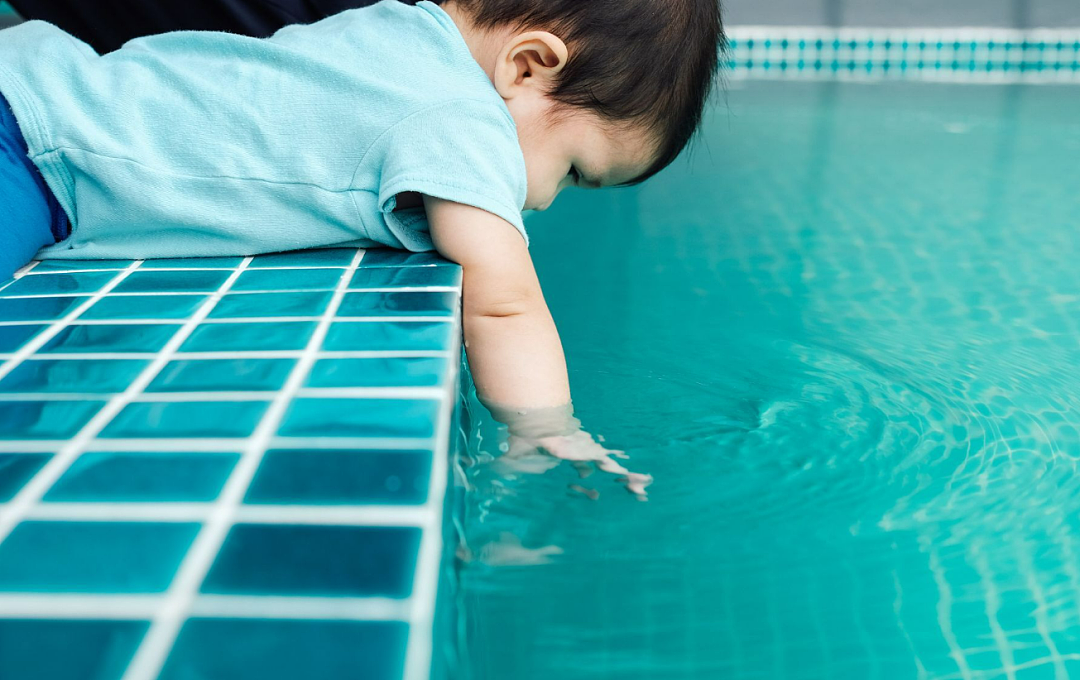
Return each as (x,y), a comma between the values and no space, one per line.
(581,449)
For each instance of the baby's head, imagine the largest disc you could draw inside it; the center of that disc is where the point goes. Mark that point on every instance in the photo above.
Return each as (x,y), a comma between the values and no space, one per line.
(604,92)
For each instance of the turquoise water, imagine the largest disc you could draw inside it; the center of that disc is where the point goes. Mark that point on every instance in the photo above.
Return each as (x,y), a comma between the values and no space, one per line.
(845,340)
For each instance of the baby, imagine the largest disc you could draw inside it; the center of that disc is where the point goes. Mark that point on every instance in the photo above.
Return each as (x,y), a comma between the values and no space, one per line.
(417,127)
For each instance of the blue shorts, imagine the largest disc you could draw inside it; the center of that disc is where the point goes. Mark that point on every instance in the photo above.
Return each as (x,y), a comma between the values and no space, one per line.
(30,217)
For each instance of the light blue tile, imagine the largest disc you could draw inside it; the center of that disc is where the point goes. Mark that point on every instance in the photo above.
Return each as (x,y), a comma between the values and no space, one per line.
(389,257)
(172,281)
(144,307)
(93,557)
(43,649)
(150,477)
(248,305)
(360,418)
(388,336)
(75,265)
(315,561)
(194,263)
(393,277)
(249,337)
(45,419)
(329,257)
(109,338)
(413,372)
(398,304)
(12,338)
(332,477)
(231,375)
(163,420)
(37,309)
(289,279)
(16,469)
(89,376)
(59,284)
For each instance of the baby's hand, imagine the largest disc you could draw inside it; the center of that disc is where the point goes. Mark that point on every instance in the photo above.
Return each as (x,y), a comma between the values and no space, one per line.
(581,449)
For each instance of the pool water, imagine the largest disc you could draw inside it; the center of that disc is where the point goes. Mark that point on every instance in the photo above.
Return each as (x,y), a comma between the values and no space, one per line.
(844,337)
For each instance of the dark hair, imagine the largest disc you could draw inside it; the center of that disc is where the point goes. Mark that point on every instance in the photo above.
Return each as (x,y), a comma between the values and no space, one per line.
(642,62)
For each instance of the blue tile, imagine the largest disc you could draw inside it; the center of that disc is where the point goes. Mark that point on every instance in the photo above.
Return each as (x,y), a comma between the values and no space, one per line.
(152,477)
(360,418)
(398,304)
(37,309)
(16,469)
(393,277)
(172,282)
(194,263)
(228,375)
(269,649)
(159,420)
(86,376)
(329,257)
(389,257)
(289,279)
(93,557)
(42,649)
(109,338)
(144,307)
(328,477)
(45,419)
(413,372)
(388,336)
(249,337)
(75,265)
(248,305)
(12,338)
(56,284)
(315,561)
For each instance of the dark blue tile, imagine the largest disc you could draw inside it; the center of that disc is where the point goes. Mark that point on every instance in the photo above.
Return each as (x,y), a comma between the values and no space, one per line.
(404,277)
(43,649)
(88,376)
(328,257)
(12,338)
(228,375)
(248,305)
(57,284)
(360,418)
(110,338)
(93,557)
(144,307)
(45,419)
(289,279)
(151,477)
(388,336)
(329,477)
(315,561)
(76,265)
(389,257)
(37,309)
(172,281)
(159,420)
(249,337)
(268,649)
(194,263)
(16,469)
(398,304)
(411,372)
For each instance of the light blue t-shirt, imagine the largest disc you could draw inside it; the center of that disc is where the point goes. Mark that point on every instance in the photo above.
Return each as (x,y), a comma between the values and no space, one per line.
(204,143)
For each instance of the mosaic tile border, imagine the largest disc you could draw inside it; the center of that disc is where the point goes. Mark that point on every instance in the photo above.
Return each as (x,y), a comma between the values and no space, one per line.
(974,55)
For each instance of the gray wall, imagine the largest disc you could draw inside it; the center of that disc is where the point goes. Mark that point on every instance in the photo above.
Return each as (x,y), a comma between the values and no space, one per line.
(900,13)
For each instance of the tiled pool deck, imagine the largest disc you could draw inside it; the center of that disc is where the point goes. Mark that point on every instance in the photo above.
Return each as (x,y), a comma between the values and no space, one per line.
(226,468)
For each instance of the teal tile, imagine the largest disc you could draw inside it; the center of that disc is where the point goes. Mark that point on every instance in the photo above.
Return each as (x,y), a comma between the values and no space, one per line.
(328,257)
(75,265)
(330,477)
(194,263)
(360,418)
(144,307)
(389,257)
(151,477)
(158,420)
(248,305)
(172,281)
(12,338)
(88,376)
(403,277)
(388,336)
(111,338)
(93,557)
(289,279)
(269,649)
(37,309)
(16,469)
(59,284)
(85,649)
(412,372)
(398,304)
(229,375)
(249,337)
(45,419)
(315,561)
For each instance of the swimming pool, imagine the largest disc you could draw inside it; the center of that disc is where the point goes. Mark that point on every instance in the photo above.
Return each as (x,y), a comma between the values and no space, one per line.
(845,339)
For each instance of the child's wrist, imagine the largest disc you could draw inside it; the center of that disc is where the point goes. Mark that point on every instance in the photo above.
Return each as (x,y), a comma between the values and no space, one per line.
(536,423)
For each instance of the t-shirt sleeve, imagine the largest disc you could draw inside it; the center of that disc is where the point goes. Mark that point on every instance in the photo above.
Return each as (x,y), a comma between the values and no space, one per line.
(463,151)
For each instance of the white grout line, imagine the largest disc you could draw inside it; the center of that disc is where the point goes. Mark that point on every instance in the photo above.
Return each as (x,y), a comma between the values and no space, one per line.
(159,639)
(282,291)
(181,445)
(239,355)
(346,515)
(223,396)
(234,320)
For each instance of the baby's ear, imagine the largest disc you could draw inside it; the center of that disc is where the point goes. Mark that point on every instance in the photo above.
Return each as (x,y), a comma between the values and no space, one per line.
(529,60)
